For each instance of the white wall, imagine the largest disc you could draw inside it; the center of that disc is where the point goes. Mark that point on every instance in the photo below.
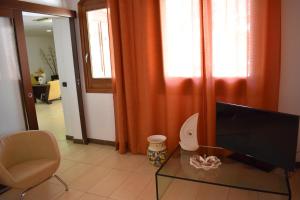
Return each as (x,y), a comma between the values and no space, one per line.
(289,99)
(100,116)
(11,110)
(65,66)
(34,43)
(99,109)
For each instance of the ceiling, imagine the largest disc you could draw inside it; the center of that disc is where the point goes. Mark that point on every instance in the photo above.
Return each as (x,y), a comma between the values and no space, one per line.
(37,24)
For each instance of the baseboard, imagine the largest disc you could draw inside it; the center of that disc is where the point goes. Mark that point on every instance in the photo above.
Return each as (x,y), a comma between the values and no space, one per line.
(91,140)
(69,137)
(76,141)
(104,142)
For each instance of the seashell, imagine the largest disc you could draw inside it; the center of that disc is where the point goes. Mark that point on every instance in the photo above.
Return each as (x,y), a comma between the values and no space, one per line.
(206,163)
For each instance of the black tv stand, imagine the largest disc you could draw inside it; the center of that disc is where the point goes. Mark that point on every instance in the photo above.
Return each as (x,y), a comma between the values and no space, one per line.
(252,162)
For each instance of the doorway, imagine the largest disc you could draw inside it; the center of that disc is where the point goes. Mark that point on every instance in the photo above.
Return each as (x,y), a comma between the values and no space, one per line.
(44,72)
(66,56)
(52,74)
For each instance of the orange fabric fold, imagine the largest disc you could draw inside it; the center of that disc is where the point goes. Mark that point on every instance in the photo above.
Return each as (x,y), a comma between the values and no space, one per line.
(147,102)
(260,89)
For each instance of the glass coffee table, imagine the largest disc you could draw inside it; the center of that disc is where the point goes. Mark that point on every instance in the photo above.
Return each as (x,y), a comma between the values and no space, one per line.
(230,173)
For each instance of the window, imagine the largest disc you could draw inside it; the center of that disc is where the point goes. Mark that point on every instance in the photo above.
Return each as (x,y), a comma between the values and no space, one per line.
(229,38)
(99,43)
(95,45)
(181,38)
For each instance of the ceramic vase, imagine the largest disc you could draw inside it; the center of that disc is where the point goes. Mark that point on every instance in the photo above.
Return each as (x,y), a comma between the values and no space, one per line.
(41,80)
(157,151)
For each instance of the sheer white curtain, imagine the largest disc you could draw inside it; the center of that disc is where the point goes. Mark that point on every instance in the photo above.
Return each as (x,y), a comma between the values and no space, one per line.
(181,38)
(230,27)
(11,110)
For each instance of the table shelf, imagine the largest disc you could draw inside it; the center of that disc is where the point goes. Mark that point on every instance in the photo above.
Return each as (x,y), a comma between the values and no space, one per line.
(231,173)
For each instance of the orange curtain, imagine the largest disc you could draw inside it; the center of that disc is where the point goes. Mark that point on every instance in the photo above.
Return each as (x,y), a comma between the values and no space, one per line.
(260,89)
(147,102)
(138,72)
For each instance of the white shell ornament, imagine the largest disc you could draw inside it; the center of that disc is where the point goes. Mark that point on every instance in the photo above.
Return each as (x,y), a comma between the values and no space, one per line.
(188,134)
(206,163)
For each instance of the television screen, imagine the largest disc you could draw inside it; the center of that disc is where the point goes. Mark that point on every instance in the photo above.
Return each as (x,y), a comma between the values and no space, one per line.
(267,136)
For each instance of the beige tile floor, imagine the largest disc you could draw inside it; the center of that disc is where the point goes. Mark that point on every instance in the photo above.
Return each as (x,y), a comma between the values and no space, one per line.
(98,172)
(51,118)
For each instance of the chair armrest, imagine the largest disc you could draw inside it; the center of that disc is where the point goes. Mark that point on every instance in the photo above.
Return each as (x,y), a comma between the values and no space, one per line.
(28,145)
(44,145)
(5,176)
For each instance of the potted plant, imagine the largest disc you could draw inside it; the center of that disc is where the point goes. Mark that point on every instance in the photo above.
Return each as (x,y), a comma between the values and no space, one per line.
(40,76)
(50,60)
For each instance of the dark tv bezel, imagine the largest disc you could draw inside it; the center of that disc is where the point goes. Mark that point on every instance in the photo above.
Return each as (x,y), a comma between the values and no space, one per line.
(263,110)
(258,109)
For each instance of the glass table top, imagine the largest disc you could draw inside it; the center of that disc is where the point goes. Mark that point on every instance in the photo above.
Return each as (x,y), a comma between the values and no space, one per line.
(230,173)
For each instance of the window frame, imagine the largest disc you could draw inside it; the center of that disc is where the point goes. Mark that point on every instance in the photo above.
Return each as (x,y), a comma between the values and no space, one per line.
(92,85)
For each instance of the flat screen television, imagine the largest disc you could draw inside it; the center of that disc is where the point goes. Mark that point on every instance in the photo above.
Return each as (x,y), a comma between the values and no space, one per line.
(270,137)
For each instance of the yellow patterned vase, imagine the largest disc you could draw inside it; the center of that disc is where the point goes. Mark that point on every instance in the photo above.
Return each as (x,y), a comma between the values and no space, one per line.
(157,151)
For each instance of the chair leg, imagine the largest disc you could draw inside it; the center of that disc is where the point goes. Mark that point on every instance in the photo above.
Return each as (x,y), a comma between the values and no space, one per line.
(62,182)
(22,195)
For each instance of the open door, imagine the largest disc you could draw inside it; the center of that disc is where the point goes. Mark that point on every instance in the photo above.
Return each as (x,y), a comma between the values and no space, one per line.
(25,74)
(67,59)
(65,46)
(12,116)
